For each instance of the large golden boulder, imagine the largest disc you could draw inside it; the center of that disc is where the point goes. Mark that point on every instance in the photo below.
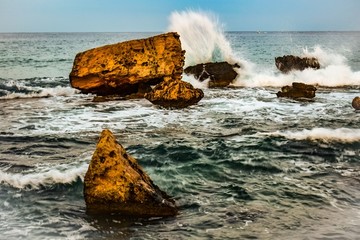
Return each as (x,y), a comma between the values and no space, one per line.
(115,183)
(130,67)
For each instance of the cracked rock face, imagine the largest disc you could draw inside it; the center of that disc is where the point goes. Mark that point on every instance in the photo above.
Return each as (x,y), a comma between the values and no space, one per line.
(128,68)
(116,184)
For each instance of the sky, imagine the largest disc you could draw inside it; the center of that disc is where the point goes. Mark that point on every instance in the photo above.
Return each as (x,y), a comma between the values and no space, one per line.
(153,16)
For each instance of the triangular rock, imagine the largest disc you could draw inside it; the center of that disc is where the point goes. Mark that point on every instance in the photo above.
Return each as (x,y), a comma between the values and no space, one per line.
(115,183)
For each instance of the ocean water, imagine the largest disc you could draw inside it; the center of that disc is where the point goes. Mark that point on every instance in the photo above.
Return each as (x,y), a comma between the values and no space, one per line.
(241,164)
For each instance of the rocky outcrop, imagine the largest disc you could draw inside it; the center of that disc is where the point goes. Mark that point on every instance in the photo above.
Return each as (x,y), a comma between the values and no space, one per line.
(297,90)
(174,94)
(288,63)
(220,74)
(128,68)
(356,103)
(115,183)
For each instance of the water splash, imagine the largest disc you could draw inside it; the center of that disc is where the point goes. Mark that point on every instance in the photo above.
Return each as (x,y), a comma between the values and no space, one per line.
(202,37)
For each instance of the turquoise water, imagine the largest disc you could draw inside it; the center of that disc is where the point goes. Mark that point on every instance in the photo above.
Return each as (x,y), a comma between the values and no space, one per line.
(242,164)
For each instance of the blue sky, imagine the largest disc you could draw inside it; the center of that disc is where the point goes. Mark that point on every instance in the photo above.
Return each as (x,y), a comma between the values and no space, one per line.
(153,16)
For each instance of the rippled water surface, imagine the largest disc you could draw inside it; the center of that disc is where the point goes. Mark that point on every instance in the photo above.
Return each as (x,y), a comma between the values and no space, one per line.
(242,164)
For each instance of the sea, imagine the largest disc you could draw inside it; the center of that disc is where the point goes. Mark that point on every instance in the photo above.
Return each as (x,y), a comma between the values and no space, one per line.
(241,164)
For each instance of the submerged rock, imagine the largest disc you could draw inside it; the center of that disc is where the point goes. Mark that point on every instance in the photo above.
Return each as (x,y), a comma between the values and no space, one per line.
(221,74)
(356,103)
(175,94)
(289,62)
(297,90)
(128,68)
(115,183)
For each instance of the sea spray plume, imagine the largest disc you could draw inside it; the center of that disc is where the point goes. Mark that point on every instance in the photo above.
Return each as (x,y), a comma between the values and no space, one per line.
(325,57)
(201,37)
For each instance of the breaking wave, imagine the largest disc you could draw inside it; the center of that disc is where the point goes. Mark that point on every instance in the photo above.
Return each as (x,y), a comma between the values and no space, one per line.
(342,135)
(44,176)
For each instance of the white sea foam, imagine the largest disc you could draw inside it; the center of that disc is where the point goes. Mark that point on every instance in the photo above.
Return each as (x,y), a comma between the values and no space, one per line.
(343,135)
(44,176)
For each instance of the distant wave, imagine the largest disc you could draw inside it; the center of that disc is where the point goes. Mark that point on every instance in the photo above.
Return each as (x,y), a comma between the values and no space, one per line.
(343,135)
(64,174)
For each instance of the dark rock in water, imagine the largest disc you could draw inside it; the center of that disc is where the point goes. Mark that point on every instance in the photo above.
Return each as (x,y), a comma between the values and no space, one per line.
(116,184)
(221,74)
(175,94)
(128,68)
(297,90)
(356,103)
(287,63)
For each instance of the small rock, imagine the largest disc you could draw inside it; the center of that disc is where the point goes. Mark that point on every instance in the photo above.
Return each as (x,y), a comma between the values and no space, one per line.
(297,90)
(356,103)
(175,94)
(221,74)
(289,62)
